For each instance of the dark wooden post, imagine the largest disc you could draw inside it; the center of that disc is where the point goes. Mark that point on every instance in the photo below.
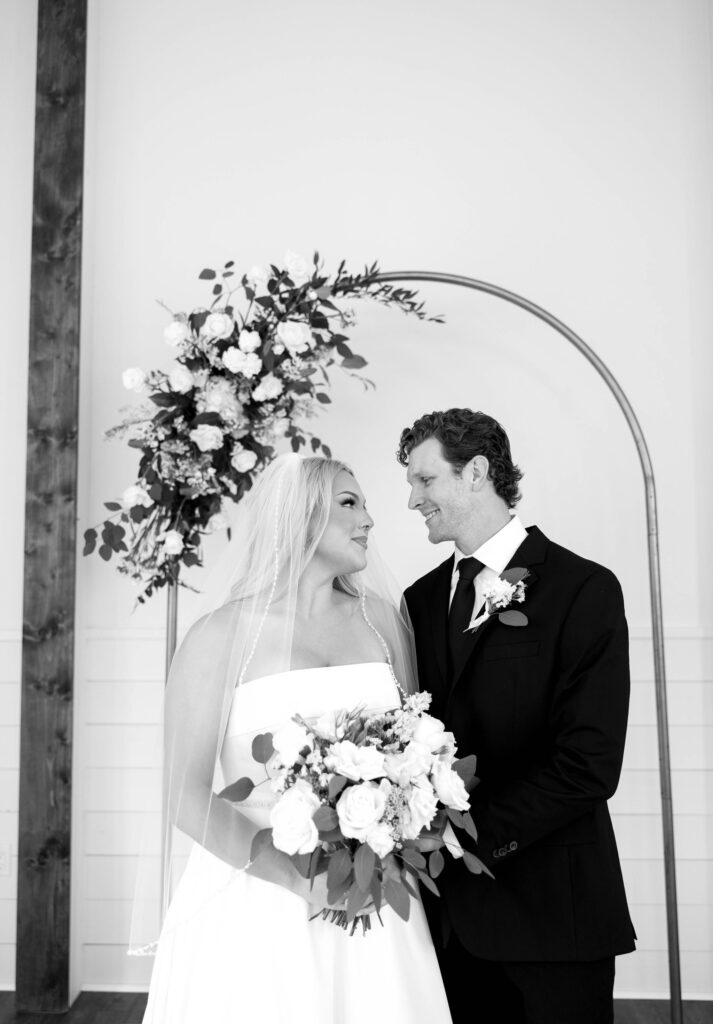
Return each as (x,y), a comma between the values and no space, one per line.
(42,976)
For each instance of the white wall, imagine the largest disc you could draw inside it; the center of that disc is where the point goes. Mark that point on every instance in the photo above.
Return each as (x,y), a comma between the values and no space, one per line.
(561,150)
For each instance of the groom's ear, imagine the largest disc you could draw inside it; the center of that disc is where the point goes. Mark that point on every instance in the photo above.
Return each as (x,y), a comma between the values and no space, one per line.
(476,472)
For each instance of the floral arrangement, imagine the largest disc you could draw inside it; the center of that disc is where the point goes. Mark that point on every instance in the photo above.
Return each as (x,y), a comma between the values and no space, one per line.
(499,594)
(366,799)
(247,371)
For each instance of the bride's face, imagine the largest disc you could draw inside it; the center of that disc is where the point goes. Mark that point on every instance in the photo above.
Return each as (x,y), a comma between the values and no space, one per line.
(342,546)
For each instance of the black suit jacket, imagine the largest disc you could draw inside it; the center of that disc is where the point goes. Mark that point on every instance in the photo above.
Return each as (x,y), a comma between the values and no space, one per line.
(544,708)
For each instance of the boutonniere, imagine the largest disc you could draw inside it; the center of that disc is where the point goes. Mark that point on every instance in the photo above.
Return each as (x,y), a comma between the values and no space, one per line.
(499,595)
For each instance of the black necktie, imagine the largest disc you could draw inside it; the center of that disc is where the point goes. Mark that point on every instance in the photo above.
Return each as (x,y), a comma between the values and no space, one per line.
(461,611)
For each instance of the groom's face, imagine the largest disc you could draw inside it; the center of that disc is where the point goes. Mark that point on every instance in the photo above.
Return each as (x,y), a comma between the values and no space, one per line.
(441,494)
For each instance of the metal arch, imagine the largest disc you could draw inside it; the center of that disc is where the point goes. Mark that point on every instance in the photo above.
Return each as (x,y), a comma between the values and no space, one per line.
(654,585)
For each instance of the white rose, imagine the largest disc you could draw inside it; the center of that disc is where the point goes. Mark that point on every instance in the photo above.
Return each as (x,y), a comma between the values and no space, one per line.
(421,806)
(133,379)
(354,762)
(249,341)
(176,332)
(247,363)
(405,767)
(258,276)
(380,839)
(207,437)
(360,807)
(289,740)
(295,335)
(450,787)
(136,495)
(172,542)
(498,591)
(217,522)
(330,726)
(243,460)
(297,267)
(219,396)
(219,325)
(293,830)
(181,379)
(269,387)
(430,732)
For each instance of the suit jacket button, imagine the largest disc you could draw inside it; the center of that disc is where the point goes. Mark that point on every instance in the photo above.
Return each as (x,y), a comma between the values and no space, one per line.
(496,853)
(513,845)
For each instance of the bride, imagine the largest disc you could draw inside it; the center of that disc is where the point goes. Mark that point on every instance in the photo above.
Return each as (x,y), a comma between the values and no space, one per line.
(306,628)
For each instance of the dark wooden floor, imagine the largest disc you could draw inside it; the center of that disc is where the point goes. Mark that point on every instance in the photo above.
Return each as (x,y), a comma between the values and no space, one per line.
(128,1008)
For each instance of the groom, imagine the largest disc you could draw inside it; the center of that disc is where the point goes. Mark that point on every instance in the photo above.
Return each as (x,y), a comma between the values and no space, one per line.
(541,698)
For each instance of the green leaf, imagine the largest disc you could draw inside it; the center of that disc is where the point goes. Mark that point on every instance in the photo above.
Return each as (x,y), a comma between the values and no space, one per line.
(364,864)
(336,785)
(339,869)
(397,897)
(515,574)
(113,506)
(355,901)
(90,541)
(324,399)
(262,747)
(470,826)
(163,399)
(475,865)
(512,618)
(465,767)
(190,558)
(238,791)
(262,843)
(425,879)
(105,552)
(335,894)
(317,864)
(436,863)
(206,275)
(376,893)
(354,363)
(327,451)
(413,857)
(456,817)
(325,818)
(217,289)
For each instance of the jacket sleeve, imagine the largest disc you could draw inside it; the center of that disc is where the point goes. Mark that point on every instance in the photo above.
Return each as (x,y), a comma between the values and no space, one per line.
(586,730)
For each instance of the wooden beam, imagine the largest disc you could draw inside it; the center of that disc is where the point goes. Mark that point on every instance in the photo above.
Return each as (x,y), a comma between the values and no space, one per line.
(42,975)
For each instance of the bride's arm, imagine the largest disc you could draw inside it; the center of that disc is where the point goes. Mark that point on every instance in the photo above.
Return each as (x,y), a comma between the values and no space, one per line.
(197,703)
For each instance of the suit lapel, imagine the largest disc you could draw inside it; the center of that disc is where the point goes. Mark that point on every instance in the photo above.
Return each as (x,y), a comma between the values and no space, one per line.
(438,612)
(531,552)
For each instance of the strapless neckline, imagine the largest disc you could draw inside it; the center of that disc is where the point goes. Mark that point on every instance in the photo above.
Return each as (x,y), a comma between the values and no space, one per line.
(312,668)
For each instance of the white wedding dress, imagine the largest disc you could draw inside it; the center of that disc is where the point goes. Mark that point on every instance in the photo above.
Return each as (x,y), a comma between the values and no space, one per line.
(236,949)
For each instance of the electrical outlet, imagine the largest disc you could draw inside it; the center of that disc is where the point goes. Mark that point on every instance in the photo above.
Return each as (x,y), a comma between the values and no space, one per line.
(4,859)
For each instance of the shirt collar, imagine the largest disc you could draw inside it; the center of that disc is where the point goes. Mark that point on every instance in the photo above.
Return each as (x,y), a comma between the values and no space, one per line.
(496,551)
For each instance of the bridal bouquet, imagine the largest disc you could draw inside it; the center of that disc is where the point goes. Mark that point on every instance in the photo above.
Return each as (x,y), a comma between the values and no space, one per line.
(370,799)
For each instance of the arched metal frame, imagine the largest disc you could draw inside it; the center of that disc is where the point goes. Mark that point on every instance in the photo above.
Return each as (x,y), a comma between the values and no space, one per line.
(654,584)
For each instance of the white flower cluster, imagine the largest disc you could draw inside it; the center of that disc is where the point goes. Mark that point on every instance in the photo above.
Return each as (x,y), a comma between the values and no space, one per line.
(498,593)
(393,772)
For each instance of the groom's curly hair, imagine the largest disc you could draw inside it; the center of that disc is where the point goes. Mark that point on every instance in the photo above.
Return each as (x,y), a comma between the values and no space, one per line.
(464,434)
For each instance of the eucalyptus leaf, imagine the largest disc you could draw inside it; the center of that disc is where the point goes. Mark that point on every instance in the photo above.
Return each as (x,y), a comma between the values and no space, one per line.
(426,880)
(436,863)
(238,791)
(414,858)
(515,574)
(456,817)
(90,541)
(364,864)
(261,844)
(465,767)
(470,826)
(325,818)
(339,869)
(206,275)
(397,897)
(336,785)
(513,618)
(262,748)
(474,864)
(355,901)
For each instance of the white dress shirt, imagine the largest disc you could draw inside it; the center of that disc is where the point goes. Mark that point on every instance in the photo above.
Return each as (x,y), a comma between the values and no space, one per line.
(495,554)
